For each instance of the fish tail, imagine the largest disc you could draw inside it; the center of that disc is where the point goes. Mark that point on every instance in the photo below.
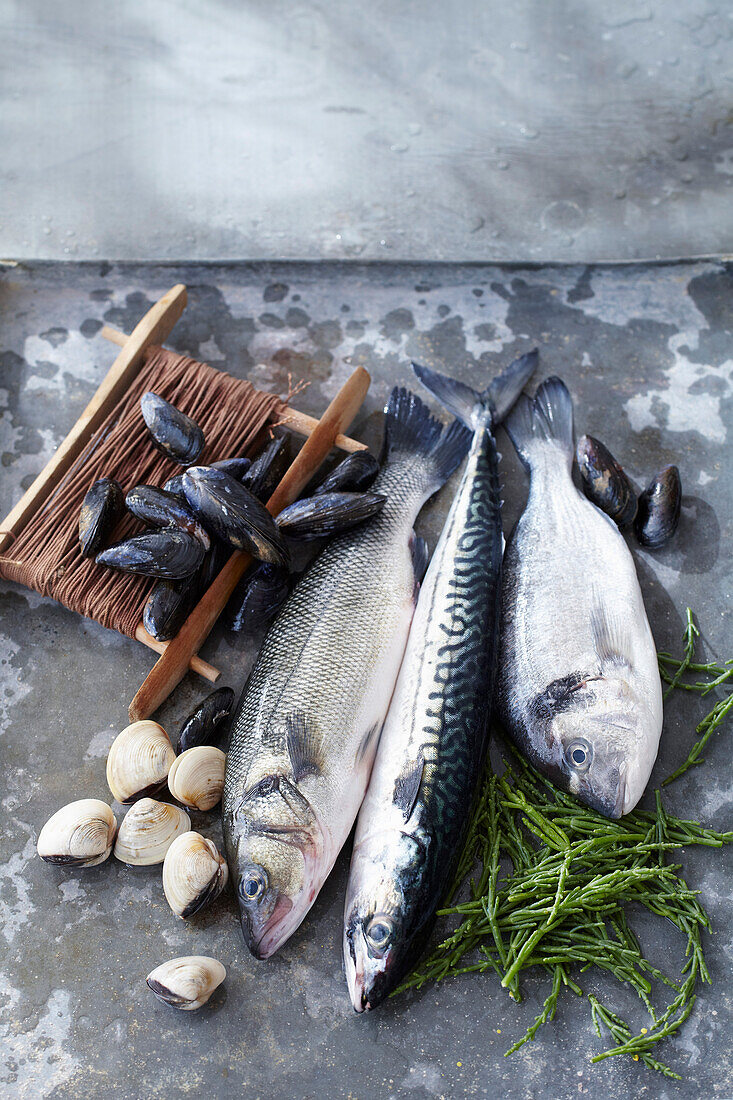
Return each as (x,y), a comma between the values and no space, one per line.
(468,404)
(543,421)
(410,432)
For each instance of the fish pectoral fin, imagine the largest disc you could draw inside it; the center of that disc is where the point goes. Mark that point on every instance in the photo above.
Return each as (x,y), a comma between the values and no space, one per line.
(611,636)
(407,787)
(420,556)
(367,741)
(305,747)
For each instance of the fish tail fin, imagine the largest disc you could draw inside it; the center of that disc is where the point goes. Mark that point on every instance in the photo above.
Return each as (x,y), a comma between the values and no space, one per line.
(468,404)
(543,421)
(411,432)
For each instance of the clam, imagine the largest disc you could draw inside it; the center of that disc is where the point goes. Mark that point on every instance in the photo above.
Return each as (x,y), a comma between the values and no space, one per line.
(196,777)
(194,873)
(169,554)
(234,514)
(328,513)
(139,761)
(266,472)
(257,598)
(235,467)
(175,434)
(204,724)
(148,830)
(78,835)
(659,509)
(355,473)
(604,481)
(101,508)
(159,508)
(186,982)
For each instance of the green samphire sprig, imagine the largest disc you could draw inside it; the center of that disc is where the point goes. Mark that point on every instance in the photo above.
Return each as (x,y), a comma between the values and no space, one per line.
(552,879)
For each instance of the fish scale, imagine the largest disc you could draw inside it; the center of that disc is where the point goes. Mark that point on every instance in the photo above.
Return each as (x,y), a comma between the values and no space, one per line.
(431,753)
(304,737)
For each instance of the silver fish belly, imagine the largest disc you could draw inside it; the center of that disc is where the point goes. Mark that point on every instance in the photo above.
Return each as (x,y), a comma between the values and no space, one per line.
(306,731)
(579,687)
(430,758)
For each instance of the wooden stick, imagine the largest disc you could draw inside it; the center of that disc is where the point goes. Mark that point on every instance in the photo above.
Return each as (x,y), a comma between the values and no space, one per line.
(298,421)
(152,329)
(170,669)
(195,664)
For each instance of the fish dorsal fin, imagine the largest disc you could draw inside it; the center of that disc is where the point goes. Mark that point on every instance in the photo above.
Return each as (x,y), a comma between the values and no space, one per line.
(611,636)
(304,746)
(407,786)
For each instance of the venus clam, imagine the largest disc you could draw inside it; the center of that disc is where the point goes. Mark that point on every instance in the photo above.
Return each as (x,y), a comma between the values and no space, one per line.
(194,873)
(78,835)
(148,830)
(196,777)
(139,761)
(186,982)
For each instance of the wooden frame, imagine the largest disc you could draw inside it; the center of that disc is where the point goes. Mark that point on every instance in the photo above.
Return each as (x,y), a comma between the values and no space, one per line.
(180,654)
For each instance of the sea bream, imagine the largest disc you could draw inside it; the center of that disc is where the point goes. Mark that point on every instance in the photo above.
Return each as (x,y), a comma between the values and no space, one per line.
(579,687)
(306,730)
(410,827)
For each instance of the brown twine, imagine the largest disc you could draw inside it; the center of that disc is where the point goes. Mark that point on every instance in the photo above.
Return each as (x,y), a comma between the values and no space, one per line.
(45,556)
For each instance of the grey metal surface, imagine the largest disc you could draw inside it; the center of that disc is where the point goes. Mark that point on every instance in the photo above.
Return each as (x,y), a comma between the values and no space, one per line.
(474,130)
(648,354)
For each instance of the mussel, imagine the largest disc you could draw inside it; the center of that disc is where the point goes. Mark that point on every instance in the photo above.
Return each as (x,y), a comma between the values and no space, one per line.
(78,835)
(315,517)
(174,485)
(194,873)
(139,761)
(186,982)
(355,473)
(175,434)
(235,467)
(258,597)
(168,607)
(234,514)
(101,508)
(159,508)
(205,723)
(604,480)
(266,472)
(168,553)
(659,509)
(196,777)
(147,832)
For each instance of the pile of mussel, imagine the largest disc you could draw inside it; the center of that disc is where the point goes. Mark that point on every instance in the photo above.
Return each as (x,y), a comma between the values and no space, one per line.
(199,516)
(141,763)
(655,512)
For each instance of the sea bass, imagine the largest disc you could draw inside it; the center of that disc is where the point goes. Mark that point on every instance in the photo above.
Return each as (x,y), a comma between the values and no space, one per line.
(431,752)
(306,731)
(579,687)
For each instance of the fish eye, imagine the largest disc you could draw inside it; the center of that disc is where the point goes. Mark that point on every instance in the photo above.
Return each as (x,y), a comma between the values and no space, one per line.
(253,884)
(579,754)
(379,932)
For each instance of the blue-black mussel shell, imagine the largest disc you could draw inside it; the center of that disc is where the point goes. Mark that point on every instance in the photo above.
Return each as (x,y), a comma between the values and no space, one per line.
(101,508)
(175,434)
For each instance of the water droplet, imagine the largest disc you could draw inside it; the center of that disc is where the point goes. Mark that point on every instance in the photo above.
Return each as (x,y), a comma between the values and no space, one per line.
(400,147)
(529,132)
(502,165)
(415,128)
(520,47)
(47,230)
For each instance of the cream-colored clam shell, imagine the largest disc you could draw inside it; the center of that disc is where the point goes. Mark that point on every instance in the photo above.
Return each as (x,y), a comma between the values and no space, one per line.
(78,835)
(148,830)
(186,982)
(194,873)
(139,761)
(196,777)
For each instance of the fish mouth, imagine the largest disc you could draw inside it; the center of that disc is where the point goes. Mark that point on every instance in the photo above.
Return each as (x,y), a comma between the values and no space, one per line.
(274,932)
